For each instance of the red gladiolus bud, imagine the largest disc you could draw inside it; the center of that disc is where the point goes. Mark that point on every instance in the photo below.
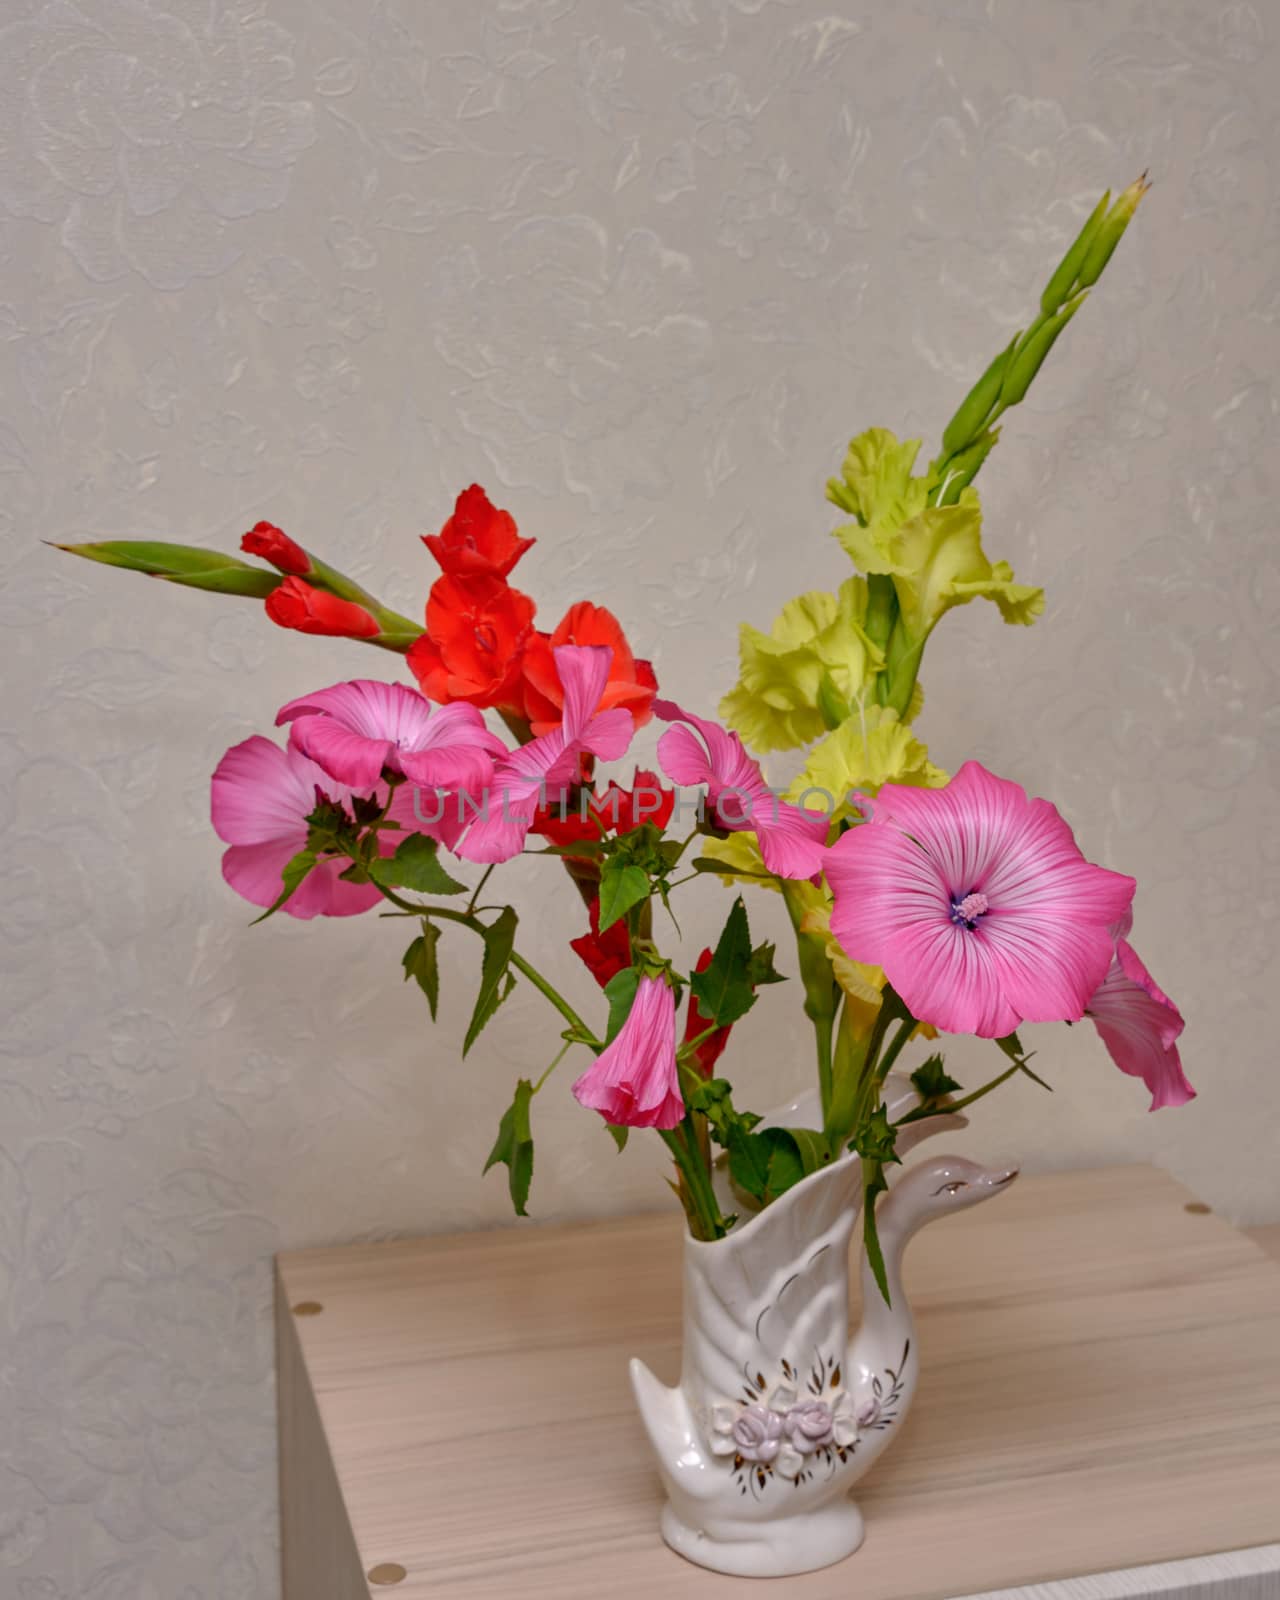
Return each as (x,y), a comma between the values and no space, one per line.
(605,954)
(297,605)
(266,540)
(478,540)
(712,1047)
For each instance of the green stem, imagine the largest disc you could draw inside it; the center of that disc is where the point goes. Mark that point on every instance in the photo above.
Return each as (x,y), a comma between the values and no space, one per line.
(952,1106)
(690,1047)
(468,920)
(895,1049)
(702,1208)
(823,1029)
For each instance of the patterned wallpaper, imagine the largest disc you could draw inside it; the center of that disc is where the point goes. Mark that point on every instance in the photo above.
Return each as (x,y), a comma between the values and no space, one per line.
(641,268)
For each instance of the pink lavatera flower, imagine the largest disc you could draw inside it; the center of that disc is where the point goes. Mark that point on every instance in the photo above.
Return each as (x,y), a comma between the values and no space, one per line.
(1140,1025)
(540,770)
(261,797)
(354,730)
(634,1083)
(977,903)
(792,840)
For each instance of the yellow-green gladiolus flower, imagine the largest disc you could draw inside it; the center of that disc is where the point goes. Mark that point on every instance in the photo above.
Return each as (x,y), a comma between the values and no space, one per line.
(778,701)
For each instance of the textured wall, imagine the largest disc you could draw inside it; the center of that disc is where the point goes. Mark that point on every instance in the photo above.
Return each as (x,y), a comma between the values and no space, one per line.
(641,269)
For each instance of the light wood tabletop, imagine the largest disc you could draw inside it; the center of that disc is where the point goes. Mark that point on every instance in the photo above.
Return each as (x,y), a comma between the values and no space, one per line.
(1100,1389)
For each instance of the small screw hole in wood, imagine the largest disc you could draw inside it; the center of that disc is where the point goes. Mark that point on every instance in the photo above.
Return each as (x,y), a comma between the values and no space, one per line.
(387,1572)
(307,1308)
(1197,1208)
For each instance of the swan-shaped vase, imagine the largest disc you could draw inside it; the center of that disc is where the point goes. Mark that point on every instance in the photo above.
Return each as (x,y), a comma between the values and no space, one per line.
(779,1411)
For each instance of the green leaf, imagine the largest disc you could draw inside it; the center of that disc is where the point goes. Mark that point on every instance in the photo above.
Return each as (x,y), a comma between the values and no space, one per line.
(414,866)
(875,1186)
(618,1134)
(514,1147)
(620,992)
(749,1157)
(1012,1047)
(812,1147)
(876,1139)
(724,990)
(496,981)
(931,1082)
(295,870)
(726,869)
(622,885)
(576,847)
(760,968)
(785,1166)
(421,964)
(766,1162)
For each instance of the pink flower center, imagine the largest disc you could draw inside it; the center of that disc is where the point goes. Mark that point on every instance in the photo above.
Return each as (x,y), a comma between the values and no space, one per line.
(967,911)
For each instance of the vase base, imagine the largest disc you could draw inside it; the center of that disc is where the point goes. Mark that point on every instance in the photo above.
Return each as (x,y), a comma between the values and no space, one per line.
(779,1548)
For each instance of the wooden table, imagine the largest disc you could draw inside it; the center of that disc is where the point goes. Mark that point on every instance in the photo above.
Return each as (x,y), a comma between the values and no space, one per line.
(1100,1390)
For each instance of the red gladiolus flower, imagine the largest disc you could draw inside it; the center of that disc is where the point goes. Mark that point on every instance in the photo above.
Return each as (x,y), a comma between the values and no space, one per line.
(266,540)
(631,685)
(625,810)
(299,606)
(478,541)
(589,816)
(605,954)
(476,631)
(712,1047)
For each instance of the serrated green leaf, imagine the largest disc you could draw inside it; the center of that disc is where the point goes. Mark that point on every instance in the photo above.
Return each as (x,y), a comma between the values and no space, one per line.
(421,963)
(496,981)
(620,992)
(760,968)
(295,870)
(931,1082)
(749,1156)
(724,988)
(622,886)
(514,1147)
(876,1139)
(415,866)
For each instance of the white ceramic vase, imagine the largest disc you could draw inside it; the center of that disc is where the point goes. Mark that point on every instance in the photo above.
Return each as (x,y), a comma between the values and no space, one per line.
(779,1411)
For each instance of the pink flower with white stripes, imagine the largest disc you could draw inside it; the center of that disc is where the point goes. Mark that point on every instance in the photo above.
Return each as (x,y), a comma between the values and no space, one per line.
(1140,1025)
(634,1081)
(977,903)
(792,841)
(354,730)
(538,772)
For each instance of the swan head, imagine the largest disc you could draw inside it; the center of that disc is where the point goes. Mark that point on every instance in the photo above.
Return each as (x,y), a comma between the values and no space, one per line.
(945,1184)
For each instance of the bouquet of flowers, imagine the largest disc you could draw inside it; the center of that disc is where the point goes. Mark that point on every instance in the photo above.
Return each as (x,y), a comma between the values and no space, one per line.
(922,904)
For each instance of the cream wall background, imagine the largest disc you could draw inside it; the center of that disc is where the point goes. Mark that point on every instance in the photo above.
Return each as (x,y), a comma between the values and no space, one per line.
(641,269)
